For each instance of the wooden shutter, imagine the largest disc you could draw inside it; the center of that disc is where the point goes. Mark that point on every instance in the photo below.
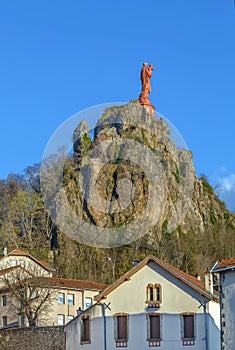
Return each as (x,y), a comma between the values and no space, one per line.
(122,327)
(154,325)
(188,326)
(85,336)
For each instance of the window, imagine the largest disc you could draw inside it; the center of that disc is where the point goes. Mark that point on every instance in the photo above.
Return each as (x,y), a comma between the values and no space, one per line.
(121,331)
(4,300)
(60,320)
(4,321)
(154,329)
(22,263)
(69,318)
(88,302)
(61,298)
(188,329)
(85,329)
(13,262)
(70,299)
(153,295)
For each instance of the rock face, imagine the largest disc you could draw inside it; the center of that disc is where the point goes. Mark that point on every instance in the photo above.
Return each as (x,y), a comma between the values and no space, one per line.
(80,134)
(133,169)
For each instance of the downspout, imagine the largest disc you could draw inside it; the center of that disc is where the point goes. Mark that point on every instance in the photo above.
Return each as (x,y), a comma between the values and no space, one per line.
(83,300)
(206,325)
(105,325)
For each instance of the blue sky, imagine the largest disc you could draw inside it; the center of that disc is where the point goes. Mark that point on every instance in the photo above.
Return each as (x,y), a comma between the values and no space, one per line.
(59,57)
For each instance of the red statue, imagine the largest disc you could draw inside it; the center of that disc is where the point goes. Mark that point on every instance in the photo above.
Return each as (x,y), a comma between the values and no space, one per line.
(146,74)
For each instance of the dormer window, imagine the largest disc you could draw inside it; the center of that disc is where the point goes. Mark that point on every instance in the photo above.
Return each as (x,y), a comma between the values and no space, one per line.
(153,295)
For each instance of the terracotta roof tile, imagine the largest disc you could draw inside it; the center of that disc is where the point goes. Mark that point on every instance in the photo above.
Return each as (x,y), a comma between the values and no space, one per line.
(17,252)
(73,284)
(9,269)
(191,281)
(45,264)
(187,276)
(225,264)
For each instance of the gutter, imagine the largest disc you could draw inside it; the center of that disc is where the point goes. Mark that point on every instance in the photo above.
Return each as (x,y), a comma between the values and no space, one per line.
(223,269)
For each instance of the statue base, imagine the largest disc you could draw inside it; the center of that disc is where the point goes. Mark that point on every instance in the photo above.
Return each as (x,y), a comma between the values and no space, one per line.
(144,101)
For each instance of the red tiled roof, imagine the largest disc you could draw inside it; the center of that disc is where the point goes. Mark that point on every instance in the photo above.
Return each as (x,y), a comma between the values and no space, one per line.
(17,252)
(73,284)
(225,264)
(189,280)
(9,269)
(44,264)
(187,276)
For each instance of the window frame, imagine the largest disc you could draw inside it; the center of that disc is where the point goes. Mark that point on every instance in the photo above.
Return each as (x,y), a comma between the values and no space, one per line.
(188,340)
(149,316)
(90,304)
(153,295)
(13,262)
(4,300)
(121,342)
(4,321)
(63,316)
(85,330)
(63,297)
(73,299)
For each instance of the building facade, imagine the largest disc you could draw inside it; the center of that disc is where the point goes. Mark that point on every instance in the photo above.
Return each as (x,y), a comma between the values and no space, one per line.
(19,258)
(225,270)
(68,297)
(154,305)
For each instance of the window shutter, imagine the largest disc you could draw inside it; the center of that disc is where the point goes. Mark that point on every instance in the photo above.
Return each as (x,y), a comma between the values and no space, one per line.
(122,327)
(189,326)
(154,326)
(85,330)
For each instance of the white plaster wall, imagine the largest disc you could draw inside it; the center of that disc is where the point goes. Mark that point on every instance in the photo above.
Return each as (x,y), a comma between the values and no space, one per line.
(73,336)
(213,322)
(130,297)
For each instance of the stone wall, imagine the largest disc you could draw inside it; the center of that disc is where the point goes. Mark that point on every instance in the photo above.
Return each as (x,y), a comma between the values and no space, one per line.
(38,338)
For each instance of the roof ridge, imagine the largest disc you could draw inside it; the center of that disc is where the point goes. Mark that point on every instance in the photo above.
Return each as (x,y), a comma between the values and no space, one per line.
(183,276)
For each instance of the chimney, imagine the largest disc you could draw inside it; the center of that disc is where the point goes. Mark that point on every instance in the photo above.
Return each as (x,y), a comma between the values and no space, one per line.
(4,251)
(209,281)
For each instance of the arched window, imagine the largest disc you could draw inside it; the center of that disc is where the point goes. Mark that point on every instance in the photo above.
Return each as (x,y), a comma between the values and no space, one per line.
(154,295)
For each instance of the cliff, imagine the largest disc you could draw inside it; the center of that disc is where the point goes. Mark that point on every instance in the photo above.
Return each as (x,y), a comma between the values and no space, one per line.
(144,182)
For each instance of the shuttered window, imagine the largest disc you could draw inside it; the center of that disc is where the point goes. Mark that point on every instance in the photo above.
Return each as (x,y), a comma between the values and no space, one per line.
(122,327)
(85,329)
(188,327)
(154,327)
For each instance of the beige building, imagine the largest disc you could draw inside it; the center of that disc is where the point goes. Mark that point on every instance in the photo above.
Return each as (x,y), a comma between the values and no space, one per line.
(19,258)
(153,305)
(67,298)
(71,297)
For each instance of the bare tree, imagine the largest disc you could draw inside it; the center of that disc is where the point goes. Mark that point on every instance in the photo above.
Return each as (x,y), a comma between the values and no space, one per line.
(31,296)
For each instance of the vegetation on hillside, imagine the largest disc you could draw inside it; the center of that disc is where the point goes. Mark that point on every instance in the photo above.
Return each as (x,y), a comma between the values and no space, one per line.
(25,225)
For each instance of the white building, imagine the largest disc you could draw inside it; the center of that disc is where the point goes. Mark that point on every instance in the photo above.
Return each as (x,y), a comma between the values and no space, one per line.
(68,296)
(19,258)
(226,270)
(152,305)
